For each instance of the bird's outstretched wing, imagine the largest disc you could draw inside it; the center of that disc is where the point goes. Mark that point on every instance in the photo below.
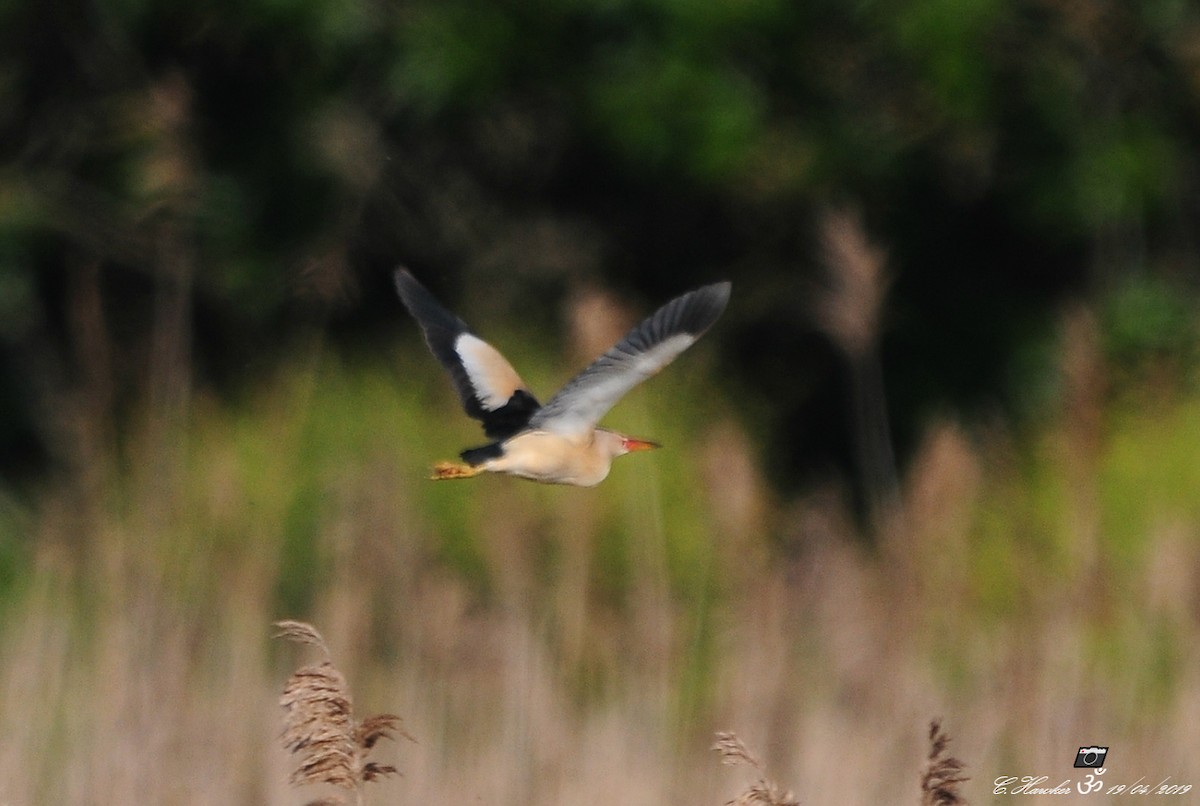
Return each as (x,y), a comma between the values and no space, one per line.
(489,388)
(577,407)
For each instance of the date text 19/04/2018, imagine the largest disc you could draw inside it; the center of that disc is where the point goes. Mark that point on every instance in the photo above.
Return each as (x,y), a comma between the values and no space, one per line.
(1036,785)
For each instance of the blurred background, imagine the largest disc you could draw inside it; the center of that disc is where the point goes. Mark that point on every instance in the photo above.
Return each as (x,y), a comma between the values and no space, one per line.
(939,458)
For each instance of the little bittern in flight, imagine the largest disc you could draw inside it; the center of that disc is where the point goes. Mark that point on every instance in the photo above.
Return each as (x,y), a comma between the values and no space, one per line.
(560,442)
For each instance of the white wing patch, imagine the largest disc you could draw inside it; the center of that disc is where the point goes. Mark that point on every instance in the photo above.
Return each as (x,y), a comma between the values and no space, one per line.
(491,375)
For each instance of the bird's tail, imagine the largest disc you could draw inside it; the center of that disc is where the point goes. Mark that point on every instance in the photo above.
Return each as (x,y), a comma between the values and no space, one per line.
(477,456)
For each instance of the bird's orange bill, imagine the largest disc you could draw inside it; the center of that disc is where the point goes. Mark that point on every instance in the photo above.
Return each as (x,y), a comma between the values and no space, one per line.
(632,445)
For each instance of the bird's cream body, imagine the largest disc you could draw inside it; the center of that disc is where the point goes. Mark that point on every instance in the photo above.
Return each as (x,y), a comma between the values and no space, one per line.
(557,459)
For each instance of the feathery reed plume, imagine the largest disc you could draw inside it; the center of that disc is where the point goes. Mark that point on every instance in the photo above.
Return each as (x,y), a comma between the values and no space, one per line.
(943,772)
(764,791)
(319,724)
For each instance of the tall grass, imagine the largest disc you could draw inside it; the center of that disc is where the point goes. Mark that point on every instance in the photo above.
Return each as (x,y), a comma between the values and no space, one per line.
(553,645)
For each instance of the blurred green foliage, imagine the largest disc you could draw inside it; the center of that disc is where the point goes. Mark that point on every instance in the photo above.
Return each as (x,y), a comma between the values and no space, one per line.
(1150,327)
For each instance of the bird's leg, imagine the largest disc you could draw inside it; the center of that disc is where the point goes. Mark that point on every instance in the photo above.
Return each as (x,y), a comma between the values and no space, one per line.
(454,470)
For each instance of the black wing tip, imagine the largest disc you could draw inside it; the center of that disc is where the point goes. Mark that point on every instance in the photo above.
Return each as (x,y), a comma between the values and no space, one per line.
(704,306)
(718,293)
(404,279)
(409,287)
(429,312)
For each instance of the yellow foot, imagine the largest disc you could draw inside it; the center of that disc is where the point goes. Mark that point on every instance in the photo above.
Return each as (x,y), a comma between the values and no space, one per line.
(453,470)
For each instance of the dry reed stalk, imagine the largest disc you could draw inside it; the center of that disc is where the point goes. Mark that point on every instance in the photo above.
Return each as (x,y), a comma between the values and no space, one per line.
(319,724)
(943,772)
(764,791)
(849,310)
